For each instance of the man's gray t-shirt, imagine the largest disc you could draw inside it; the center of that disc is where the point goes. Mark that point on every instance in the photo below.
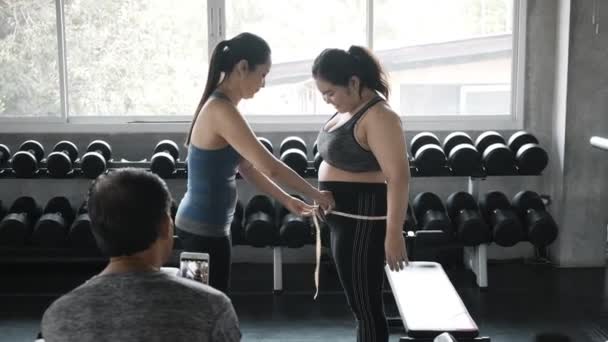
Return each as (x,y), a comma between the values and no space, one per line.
(141,306)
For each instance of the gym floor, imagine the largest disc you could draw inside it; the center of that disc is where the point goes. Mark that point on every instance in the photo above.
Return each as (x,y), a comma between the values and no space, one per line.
(523,300)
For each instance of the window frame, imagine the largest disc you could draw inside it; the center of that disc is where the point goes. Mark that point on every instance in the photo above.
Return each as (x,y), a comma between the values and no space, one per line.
(216,19)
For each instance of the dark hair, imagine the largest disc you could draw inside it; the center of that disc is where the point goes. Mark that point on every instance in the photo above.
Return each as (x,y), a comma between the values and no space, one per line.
(225,55)
(338,66)
(126,208)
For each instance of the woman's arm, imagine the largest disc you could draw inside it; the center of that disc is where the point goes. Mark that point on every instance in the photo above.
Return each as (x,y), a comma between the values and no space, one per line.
(267,186)
(386,140)
(234,129)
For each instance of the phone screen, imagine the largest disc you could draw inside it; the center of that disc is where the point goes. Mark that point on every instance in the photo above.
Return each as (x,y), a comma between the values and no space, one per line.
(195,269)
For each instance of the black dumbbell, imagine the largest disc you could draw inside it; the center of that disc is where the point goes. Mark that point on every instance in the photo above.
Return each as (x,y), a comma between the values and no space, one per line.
(267,143)
(59,162)
(294,231)
(428,156)
(463,157)
(469,226)
(236,226)
(52,228)
(260,224)
(505,225)
(16,227)
(496,156)
(430,213)
(80,235)
(94,162)
(164,158)
(531,159)
(5,154)
(293,153)
(25,161)
(541,229)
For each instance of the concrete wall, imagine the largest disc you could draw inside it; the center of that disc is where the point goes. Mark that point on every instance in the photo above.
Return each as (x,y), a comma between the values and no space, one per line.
(565,102)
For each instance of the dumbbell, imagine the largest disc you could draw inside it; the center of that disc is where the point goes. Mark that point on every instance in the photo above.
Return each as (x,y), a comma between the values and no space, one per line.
(16,227)
(469,226)
(59,162)
(236,226)
(293,153)
(505,225)
(94,162)
(428,156)
(52,228)
(294,231)
(5,154)
(531,159)
(430,213)
(260,224)
(496,156)
(463,157)
(267,143)
(540,227)
(25,161)
(164,157)
(80,235)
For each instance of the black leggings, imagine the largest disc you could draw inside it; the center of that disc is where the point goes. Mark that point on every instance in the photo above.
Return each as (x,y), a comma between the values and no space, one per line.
(357,248)
(219,249)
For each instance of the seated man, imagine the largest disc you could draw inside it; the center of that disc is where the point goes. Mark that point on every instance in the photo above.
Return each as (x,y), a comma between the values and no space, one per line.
(131,299)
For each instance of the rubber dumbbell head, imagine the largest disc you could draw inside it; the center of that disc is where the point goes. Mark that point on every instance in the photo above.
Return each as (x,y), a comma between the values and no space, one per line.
(541,229)
(454,139)
(52,228)
(80,235)
(5,154)
(498,159)
(267,143)
(423,139)
(164,157)
(59,162)
(25,161)
(294,231)
(260,224)
(293,142)
(430,212)
(317,161)
(470,228)
(16,227)
(94,162)
(507,229)
(486,139)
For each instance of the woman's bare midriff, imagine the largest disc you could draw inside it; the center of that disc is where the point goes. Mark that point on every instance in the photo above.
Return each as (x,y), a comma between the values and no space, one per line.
(328,173)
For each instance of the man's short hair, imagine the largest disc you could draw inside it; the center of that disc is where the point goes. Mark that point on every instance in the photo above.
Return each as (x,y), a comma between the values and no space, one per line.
(127,207)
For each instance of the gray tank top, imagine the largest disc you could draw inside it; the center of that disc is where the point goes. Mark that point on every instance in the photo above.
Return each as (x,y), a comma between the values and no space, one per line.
(340,148)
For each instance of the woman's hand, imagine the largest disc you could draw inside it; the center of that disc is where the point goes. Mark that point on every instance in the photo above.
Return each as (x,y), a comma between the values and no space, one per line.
(298,207)
(394,249)
(325,199)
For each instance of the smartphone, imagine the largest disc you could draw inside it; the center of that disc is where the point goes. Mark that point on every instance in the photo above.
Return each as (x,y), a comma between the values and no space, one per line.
(194,266)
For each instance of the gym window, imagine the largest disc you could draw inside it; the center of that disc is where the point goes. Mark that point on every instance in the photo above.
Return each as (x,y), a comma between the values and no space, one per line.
(452,64)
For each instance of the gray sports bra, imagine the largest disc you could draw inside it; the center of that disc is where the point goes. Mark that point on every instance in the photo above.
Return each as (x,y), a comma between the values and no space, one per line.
(340,148)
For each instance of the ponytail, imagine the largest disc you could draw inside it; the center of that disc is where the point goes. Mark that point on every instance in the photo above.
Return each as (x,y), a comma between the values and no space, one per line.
(213,80)
(370,70)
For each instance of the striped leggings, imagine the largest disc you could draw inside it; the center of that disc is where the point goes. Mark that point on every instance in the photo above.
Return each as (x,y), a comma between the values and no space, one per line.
(357,248)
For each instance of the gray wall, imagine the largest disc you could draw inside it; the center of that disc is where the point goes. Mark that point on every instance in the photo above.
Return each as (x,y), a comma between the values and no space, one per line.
(563,57)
